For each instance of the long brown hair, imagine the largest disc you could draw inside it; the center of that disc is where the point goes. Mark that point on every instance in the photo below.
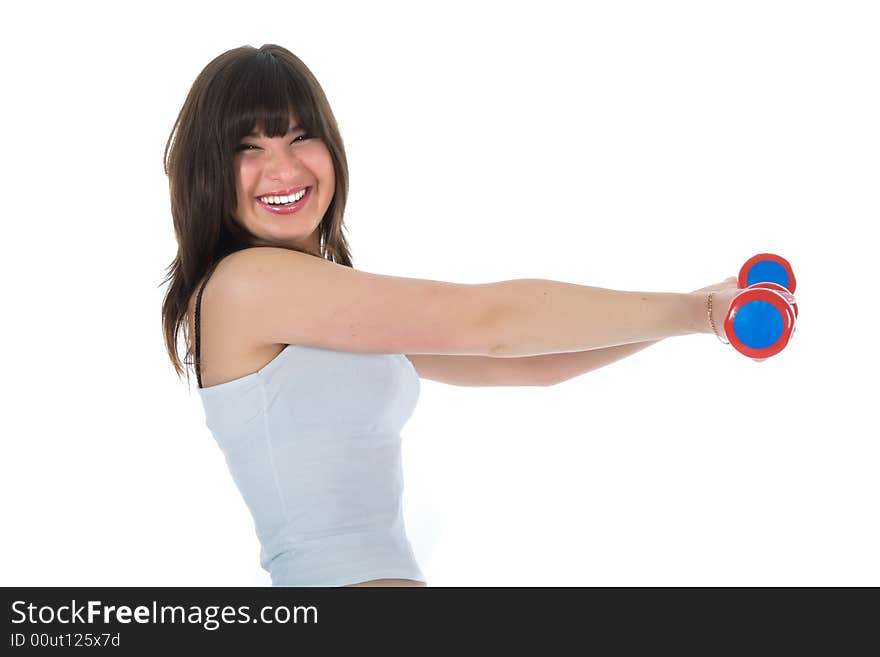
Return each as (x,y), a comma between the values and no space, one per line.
(238,90)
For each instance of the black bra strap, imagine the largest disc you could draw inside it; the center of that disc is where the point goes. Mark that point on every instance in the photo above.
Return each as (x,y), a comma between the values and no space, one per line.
(198,346)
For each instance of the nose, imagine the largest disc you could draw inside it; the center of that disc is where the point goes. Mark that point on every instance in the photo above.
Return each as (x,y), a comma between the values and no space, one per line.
(283,164)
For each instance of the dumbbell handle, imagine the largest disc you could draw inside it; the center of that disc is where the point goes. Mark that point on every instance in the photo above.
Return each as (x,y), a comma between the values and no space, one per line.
(786,294)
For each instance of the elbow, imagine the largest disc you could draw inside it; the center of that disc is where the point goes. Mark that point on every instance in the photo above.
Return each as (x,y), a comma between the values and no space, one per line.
(499,350)
(501,321)
(492,319)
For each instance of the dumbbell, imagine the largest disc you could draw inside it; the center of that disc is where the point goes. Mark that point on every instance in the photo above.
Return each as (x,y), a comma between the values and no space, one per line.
(761,318)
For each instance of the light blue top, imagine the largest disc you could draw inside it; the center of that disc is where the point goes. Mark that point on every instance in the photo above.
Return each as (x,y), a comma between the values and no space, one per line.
(313,443)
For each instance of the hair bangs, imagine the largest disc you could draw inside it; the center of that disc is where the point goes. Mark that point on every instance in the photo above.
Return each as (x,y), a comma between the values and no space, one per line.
(268,97)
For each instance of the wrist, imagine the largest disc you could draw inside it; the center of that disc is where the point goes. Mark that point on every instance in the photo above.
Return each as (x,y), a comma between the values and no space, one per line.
(698,316)
(712,317)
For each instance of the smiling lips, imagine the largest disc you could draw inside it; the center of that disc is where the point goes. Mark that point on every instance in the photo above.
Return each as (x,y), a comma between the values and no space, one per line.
(284,192)
(288,209)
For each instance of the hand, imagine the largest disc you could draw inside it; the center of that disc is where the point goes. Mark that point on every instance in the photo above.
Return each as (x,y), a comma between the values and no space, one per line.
(721,300)
(726,284)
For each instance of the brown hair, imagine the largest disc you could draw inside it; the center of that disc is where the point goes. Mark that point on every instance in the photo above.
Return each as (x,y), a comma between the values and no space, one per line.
(238,90)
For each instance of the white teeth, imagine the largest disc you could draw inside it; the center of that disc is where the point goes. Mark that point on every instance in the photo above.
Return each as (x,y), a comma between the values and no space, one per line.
(284,199)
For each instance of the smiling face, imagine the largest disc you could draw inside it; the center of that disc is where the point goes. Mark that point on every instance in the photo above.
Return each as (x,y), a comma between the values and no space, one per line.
(283,165)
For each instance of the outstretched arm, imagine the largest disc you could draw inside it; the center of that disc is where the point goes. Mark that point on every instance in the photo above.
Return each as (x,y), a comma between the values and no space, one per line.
(556,368)
(540,370)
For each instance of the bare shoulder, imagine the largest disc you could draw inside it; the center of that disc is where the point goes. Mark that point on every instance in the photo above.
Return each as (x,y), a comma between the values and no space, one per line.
(227,351)
(229,272)
(257,258)
(230,276)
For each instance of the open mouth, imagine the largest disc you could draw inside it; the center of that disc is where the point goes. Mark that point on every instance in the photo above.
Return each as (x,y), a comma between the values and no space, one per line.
(287,208)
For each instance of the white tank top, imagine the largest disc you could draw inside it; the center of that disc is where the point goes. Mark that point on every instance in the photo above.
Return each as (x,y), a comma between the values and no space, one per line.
(313,443)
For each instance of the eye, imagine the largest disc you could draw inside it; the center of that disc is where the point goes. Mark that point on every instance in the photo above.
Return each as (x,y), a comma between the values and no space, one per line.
(245,147)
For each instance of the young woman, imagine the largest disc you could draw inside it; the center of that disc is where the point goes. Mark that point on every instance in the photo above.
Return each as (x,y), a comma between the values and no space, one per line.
(308,368)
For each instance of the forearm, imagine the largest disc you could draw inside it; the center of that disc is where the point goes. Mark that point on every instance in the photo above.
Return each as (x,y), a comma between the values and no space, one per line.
(542,317)
(556,368)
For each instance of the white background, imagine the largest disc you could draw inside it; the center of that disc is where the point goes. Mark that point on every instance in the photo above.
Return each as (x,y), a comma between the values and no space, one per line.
(630,145)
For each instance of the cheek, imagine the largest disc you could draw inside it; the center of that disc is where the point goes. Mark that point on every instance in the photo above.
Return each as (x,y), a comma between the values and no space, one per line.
(246,170)
(319,160)
(245,175)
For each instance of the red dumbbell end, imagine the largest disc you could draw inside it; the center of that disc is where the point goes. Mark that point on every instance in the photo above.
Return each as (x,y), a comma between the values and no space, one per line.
(742,300)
